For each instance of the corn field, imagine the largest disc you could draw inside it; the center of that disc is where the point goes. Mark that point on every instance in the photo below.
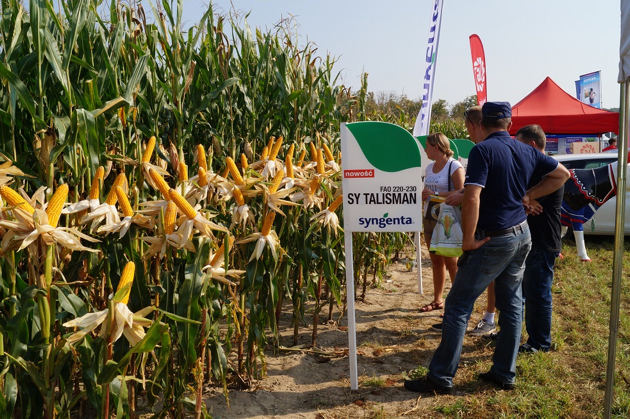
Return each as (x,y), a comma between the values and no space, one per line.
(166,194)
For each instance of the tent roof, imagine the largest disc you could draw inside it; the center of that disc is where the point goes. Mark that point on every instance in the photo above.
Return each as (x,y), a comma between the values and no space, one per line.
(557,112)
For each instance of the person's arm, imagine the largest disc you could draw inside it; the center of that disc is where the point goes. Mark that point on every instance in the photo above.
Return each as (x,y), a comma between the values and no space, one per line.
(455,198)
(470,216)
(550,183)
(457,178)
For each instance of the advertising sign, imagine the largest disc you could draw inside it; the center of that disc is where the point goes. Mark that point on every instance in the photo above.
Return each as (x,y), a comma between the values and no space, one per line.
(479,68)
(590,90)
(382,178)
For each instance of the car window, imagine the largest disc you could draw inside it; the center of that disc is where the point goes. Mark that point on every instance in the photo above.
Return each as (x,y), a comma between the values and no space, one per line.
(587,164)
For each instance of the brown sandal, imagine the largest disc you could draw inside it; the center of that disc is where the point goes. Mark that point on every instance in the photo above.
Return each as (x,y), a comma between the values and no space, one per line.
(432,306)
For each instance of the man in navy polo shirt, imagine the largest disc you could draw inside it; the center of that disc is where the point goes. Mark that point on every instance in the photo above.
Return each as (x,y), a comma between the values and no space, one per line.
(496,243)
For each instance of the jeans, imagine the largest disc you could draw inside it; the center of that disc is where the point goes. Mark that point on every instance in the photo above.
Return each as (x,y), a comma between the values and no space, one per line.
(501,260)
(537,281)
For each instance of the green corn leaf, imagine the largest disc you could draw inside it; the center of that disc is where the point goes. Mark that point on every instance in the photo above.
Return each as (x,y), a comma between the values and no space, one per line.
(79,18)
(138,73)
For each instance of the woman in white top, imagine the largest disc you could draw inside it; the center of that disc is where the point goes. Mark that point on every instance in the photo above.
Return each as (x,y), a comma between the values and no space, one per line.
(443,176)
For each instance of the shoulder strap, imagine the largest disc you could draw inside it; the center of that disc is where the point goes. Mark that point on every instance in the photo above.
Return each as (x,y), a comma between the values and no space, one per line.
(449,174)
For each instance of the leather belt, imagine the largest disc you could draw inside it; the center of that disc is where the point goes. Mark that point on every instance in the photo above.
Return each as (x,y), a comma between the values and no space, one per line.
(519,228)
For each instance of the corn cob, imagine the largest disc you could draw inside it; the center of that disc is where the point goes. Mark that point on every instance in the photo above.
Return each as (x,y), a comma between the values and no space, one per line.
(328,153)
(289,166)
(160,183)
(265,153)
(148,152)
(202,180)
(183,171)
(301,158)
(313,152)
(98,177)
(201,158)
(314,185)
(238,179)
(320,162)
(53,210)
(276,149)
(14,199)
(270,143)
(335,204)
(126,279)
(121,180)
(290,151)
(276,181)
(225,172)
(169,217)
(182,204)
(271,215)
(238,195)
(123,202)
(221,251)
(244,164)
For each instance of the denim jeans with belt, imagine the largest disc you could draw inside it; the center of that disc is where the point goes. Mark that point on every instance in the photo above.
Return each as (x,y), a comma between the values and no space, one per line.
(537,281)
(501,260)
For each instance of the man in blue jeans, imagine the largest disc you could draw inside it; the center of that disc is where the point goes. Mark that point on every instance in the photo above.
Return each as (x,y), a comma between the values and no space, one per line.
(496,243)
(546,245)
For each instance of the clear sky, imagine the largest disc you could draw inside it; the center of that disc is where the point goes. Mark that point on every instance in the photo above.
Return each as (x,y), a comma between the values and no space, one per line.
(524,41)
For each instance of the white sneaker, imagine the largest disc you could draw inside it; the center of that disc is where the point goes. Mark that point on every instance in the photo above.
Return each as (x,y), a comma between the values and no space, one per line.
(483,328)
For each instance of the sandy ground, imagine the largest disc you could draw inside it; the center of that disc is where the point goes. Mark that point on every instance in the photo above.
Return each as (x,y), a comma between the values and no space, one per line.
(393,338)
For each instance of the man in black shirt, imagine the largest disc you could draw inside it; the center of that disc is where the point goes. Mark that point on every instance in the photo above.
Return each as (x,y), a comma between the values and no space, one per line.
(538,276)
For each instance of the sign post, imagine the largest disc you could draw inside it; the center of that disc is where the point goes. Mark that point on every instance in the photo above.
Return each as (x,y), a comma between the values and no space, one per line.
(382,192)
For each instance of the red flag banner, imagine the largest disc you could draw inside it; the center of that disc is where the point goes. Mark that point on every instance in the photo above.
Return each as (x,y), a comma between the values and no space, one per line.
(479,68)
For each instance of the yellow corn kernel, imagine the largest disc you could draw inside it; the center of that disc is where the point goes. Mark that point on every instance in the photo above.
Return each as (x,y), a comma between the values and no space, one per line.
(202,180)
(160,183)
(320,162)
(121,180)
(313,152)
(276,181)
(182,204)
(271,215)
(332,207)
(201,158)
(126,279)
(55,205)
(98,177)
(220,253)
(238,195)
(290,151)
(328,153)
(270,143)
(301,158)
(244,164)
(148,152)
(265,153)
(289,166)
(123,202)
(183,171)
(14,199)
(314,185)
(225,172)
(276,149)
(169,217)
(238,179)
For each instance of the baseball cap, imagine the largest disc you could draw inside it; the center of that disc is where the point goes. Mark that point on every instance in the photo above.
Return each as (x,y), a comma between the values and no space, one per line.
(496,110)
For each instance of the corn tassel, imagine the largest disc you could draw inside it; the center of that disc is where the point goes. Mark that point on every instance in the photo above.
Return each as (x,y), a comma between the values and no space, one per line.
(14,199)
(98,177)
(160,183)
(328,153)
(276,149)
(148,152)
(289,166)
(126,279)
(220,253)
(244,164)
(271,215)
(332,207)
(169,217)
(201,158)
(320,162)
(121,180)
(276,181)
(265,153)
(183,171)
(202,180)
(55,205)
(313,152)
(238,179)
(301,158)
(123,202)
(238,196)
(182,204)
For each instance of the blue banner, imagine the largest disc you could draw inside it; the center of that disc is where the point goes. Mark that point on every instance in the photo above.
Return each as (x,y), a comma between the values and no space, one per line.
(589,91)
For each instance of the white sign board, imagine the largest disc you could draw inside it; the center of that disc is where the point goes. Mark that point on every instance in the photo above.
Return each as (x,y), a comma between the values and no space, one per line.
(382,178)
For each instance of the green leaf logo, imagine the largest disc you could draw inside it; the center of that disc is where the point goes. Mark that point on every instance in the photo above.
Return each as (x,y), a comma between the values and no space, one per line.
(387,147)
(386,215)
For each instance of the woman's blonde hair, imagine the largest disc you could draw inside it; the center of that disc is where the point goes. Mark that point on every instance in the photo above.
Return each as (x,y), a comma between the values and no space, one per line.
(442,142)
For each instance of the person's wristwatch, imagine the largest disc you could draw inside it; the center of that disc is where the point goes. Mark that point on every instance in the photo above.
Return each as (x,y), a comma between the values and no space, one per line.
(437,193)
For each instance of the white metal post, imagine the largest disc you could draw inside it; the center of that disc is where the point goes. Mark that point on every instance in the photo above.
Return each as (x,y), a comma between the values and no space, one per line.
(352,327)
(419,262)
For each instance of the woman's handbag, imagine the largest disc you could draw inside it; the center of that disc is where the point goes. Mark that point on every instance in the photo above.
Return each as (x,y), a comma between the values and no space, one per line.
(447,236)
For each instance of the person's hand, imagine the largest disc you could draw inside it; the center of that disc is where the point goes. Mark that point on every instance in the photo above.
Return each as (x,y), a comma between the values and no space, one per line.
(475,244)
(426,193)
(534,208)
(454,199)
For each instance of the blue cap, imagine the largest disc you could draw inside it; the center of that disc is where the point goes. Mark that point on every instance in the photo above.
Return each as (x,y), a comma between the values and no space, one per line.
(496,110)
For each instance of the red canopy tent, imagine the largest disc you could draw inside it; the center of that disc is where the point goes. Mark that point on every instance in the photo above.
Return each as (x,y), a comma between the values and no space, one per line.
(557,112)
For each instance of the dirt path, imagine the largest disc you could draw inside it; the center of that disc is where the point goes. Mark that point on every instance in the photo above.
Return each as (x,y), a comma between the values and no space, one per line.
(393,338)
